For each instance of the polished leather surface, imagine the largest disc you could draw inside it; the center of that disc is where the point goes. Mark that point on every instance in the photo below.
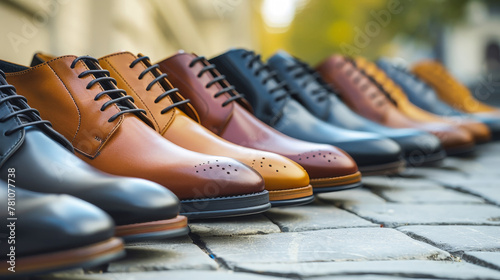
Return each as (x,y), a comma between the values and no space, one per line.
(425,97)
(278,172)
(50,223)
(364,97)
(234,122)
(449,89)
(126,146)
(479,131)
(321,101)
(274,106)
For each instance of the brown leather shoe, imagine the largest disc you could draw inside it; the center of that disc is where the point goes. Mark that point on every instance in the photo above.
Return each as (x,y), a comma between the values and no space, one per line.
(286,181)
(226,113)
(364,96)
(450,90)
(479,131)
(110,133)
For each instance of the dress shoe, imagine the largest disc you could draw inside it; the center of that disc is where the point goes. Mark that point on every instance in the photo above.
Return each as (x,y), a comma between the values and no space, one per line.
(426,98)
(44,162)
(286,181)
(478,130)
(450,90)
(46,233)
(273,104)
(226,113)
(365,97)
(420,148)
(110,133)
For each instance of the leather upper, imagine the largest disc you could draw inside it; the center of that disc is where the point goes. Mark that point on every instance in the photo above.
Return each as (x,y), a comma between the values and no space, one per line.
(449,89)
(51,223)
(278,172)
(479,131)
(234,122)
(315,95)
(367,99)
(127,145)
(273,104)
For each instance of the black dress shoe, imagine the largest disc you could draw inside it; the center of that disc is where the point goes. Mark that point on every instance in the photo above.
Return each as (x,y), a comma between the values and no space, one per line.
(273,104)
(45,233)
(424,96)
(419,147)
(44,162)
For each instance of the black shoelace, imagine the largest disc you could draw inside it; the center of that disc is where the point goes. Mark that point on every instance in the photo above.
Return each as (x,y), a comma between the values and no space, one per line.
(311,76)
(27,115)
(118,96)
(218,78)
(270,74)
(372,80)
(158,77)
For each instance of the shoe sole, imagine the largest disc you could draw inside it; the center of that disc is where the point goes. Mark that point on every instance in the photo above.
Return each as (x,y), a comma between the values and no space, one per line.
(383,169)
(87,256)
(153,230)
(434,159)
(293,202)
(230,206)
(334,184)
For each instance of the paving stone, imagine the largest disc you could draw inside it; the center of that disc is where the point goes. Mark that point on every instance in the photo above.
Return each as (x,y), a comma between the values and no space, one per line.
(427,196)
(385,182)
(394,214)
(355,244)
(402,268)
(315,216)
(487,259)
(253,224)
(485,188)
(440,175)
(457,238)
(177,275)
(170,254)
(356,196)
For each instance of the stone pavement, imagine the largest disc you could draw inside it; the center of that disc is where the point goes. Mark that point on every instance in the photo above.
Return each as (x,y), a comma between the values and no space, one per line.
(429,223)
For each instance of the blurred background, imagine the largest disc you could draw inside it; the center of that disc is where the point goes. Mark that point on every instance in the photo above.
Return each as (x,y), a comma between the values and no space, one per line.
(463,34)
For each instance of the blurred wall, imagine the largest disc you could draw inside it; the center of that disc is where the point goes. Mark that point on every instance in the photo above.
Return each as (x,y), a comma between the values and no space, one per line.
(98,27)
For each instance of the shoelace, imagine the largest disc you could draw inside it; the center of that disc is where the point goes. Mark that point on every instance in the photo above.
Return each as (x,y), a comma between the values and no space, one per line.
(271,74)
(29,116)
(158,77)
(218,78)
(377,84)
(118,96)
(311,76)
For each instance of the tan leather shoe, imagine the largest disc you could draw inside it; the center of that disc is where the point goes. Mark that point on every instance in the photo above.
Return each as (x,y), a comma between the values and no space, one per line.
(479,131)
(450,90)
(364,96)
(110,133)
(286,181)
(227,114)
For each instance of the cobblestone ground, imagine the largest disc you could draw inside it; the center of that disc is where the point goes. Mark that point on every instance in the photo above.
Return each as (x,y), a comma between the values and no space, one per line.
(429,223)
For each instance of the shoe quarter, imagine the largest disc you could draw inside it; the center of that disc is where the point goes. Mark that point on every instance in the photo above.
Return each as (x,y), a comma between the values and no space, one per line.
(62,98)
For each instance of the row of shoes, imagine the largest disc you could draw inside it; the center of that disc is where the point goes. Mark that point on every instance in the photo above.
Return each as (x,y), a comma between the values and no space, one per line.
(121,149)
